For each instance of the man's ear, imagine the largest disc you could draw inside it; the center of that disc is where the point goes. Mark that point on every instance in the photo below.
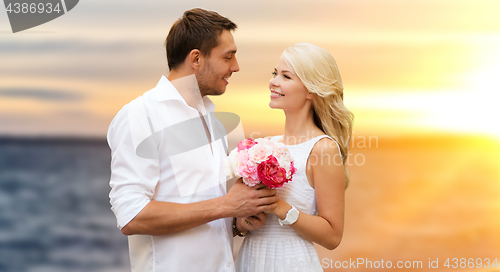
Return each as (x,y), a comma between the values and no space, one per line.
(194,58)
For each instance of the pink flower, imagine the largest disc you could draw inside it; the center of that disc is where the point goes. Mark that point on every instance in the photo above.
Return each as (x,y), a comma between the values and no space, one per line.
(262,161)
(271,174)
(247,169)
(292,168)
(258,153)
(251,182)
(246,144)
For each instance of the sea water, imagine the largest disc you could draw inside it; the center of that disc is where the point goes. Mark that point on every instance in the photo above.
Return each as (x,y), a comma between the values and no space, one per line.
(54,207)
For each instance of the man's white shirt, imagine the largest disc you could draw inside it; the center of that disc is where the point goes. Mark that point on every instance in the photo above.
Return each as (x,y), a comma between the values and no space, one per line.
(160,151)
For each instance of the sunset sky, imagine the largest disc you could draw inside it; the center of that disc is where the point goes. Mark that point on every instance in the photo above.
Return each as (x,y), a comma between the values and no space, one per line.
(408,67)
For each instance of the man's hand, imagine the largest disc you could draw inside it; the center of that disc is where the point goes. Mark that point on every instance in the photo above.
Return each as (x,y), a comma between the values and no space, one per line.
(250,223)
(245,201)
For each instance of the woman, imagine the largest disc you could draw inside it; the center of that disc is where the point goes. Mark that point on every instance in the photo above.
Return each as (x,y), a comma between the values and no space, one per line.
(306,85)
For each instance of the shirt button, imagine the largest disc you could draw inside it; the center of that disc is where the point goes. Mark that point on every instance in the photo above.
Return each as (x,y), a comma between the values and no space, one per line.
(228,264)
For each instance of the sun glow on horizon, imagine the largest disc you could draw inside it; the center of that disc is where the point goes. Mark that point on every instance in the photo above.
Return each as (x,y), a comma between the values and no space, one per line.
(473,109)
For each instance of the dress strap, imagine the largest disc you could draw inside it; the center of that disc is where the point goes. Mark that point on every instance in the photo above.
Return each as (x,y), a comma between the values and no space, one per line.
(316,139)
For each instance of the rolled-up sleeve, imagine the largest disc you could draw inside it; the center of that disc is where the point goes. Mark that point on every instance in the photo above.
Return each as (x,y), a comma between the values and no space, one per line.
(133,178)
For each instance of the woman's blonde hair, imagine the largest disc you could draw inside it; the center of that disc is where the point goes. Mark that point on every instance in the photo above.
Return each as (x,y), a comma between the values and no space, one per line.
(319,73)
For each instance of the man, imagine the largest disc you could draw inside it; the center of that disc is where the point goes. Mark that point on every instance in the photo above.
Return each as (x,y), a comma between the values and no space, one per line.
(168,187)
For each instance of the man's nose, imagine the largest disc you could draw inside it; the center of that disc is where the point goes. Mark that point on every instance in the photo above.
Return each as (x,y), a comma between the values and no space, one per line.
(235,67)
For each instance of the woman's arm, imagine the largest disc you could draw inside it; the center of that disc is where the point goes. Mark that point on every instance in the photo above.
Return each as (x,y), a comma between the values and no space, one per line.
(328,178)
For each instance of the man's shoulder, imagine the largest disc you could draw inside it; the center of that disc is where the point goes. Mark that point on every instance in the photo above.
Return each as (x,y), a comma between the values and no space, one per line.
(146,98)
(137,104)
(132,118)
(140,101)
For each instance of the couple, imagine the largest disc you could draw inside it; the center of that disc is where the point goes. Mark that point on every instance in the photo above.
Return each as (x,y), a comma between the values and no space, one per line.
(168,185)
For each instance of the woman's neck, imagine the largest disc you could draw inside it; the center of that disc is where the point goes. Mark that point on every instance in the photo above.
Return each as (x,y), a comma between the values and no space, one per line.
(300,127)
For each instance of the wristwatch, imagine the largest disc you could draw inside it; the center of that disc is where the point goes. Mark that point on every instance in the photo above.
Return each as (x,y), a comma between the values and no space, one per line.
(291,217)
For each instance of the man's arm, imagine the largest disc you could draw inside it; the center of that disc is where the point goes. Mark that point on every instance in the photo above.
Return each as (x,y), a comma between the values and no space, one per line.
(161,218)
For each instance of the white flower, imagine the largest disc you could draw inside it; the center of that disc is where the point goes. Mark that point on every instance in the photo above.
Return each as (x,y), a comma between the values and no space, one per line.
(232,162)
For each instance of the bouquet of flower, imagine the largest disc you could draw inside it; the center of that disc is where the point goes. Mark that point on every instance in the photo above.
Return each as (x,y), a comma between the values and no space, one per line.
(263,161)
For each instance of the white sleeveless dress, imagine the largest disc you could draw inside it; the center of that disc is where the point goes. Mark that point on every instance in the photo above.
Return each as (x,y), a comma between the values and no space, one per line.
(275,248)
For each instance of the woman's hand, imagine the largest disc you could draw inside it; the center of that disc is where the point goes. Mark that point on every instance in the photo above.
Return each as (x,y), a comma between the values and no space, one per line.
(251,223)
(281,210)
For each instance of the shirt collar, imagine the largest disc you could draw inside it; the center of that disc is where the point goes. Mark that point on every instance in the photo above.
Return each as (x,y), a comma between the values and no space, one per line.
(164,91)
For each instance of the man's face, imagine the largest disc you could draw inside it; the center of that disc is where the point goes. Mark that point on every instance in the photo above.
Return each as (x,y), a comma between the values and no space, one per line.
(215,70)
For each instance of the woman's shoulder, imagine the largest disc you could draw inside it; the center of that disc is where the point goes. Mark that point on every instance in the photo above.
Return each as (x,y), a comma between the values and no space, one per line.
(326,145)
(326,141)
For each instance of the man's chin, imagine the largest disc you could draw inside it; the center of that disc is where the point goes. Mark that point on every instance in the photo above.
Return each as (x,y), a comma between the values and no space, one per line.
(217,92)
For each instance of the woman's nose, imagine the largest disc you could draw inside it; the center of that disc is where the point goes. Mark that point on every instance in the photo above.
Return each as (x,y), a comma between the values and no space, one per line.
(273,82)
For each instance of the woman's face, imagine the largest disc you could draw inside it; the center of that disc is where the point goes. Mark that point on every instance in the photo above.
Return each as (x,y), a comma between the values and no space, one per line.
(287,90)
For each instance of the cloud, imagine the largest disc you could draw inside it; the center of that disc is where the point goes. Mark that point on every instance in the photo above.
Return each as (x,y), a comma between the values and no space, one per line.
(71,46)
(41,94)
(89,60)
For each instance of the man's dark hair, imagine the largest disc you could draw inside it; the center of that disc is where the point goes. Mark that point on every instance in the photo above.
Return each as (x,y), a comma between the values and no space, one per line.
(196,29)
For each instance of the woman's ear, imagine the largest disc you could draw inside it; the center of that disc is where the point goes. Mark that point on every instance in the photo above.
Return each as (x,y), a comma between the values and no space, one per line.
(310,96)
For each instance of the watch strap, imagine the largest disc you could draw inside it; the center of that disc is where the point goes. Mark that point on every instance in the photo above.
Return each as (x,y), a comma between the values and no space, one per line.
(290,218)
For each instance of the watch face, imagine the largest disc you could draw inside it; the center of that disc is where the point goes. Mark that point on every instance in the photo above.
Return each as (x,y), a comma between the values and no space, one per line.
(294,215)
